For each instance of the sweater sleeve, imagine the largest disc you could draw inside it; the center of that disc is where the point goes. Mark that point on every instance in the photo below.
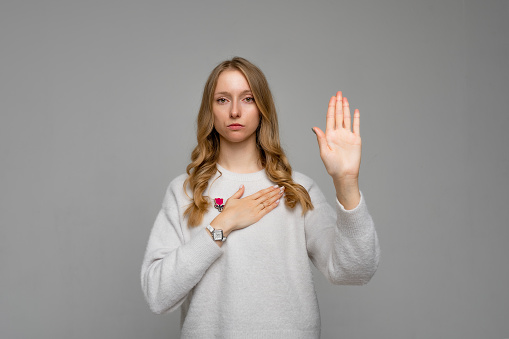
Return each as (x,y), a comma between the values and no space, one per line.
(342,244)
(172,267)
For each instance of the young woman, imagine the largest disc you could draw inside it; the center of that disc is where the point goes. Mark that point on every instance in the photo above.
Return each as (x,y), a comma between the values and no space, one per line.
(232,242)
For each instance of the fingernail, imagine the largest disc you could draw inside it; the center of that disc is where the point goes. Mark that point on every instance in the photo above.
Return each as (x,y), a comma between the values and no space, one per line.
(241,186)
(313,130)
(275,186)
(277,201)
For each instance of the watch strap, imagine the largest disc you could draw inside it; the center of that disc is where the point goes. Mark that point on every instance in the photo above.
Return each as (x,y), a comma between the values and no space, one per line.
(216,233)
(210,228)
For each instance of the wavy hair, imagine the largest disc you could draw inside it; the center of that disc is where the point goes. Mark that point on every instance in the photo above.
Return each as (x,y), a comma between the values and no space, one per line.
(271,154)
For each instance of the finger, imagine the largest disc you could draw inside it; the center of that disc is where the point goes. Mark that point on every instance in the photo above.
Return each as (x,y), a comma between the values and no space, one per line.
(356,122)
(320,137)
(330,114)
(276,196)
(260,193)
(347,117)
(239,193)
(339,110)
(268,199)
(273,196)
(269,208)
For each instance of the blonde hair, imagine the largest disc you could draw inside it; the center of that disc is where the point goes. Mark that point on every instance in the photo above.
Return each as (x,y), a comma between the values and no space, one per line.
(206,153)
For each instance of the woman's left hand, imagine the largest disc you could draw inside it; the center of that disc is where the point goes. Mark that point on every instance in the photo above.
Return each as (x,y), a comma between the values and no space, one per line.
(340,145)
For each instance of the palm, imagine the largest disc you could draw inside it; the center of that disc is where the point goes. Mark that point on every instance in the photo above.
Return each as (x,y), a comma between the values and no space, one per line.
(340,146)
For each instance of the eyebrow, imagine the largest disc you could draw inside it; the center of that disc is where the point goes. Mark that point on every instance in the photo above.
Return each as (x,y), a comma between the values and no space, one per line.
(228,93)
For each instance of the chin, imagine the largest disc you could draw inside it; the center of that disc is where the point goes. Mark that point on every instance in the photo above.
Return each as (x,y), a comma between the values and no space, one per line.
(236,140)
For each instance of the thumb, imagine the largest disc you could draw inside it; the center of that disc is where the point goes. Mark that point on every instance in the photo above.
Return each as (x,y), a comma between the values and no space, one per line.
(239,193)
(320,137)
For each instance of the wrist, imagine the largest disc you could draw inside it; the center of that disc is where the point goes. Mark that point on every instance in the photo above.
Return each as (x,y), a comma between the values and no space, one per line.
(221,223)
(347,192)
(217,234)
(218,242)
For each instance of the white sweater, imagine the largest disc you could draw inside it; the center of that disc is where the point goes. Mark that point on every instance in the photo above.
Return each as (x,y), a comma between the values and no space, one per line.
(259,283)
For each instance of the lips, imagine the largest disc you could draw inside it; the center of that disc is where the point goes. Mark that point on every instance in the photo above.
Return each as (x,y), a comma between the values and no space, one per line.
(235,127)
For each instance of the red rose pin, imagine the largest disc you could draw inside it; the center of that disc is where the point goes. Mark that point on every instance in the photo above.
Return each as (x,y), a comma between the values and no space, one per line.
(218,203)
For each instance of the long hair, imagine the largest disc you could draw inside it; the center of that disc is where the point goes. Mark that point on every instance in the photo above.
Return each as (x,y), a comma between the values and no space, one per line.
(205,154)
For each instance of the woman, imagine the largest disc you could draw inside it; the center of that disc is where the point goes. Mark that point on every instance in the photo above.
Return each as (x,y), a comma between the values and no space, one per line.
(239,267)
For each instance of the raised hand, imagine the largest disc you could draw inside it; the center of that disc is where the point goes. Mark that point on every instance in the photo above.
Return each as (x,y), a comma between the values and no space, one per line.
(240,212)
(340,145)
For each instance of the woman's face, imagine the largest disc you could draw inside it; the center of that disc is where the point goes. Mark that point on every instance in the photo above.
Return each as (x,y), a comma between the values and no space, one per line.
(236,116)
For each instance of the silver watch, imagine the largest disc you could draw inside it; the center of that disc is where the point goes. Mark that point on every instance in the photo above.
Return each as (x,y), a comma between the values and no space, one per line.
(216,234)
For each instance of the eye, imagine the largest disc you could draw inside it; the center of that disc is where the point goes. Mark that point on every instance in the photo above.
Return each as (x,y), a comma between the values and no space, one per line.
(221,100)
(249,99)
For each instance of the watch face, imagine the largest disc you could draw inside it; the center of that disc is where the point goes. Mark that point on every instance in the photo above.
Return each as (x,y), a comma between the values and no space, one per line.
(218,234)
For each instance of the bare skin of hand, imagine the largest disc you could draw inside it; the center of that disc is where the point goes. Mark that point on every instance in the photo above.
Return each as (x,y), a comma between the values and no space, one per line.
(340,149)
(240,212)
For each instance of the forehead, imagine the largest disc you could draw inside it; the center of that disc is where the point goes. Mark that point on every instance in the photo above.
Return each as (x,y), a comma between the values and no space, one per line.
(232,81)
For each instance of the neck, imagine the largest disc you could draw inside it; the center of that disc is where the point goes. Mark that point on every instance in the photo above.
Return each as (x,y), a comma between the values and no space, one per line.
(240,157)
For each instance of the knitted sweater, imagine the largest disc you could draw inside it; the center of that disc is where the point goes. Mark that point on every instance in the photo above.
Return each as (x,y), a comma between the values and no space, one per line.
(259,284)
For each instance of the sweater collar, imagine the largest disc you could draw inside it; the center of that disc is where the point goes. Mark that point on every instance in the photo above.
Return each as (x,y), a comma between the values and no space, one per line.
(223,172)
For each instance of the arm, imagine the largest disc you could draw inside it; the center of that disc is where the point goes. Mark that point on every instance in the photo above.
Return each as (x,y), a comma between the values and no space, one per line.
(347,253)
(171,268)
(341,243)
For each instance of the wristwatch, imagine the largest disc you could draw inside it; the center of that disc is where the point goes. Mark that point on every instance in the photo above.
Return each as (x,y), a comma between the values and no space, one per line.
(216,234)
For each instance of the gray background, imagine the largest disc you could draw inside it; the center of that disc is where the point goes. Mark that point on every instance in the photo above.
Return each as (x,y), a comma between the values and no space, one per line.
(98,105)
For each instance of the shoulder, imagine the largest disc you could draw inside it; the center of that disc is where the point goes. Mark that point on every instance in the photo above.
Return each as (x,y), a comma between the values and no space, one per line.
(175,189)
(178,182)
(315,193)
(303,180)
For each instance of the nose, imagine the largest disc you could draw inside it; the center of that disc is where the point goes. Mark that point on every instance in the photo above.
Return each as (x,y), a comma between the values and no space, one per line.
(235,110)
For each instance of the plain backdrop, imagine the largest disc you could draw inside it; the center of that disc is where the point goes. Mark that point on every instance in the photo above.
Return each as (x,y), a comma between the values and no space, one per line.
(98,104)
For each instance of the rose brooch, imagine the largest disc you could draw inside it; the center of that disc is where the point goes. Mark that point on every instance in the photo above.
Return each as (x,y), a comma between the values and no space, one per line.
(218,204)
